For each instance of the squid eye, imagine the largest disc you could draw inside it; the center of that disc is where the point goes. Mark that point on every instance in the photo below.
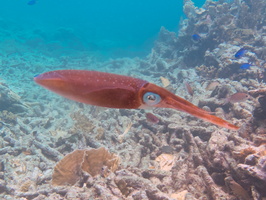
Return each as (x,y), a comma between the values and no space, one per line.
(151,98)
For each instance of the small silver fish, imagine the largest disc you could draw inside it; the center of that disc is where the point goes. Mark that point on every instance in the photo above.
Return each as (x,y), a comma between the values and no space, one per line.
(237,97)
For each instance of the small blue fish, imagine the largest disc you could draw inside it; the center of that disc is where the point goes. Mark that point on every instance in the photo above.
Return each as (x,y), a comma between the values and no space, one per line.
(240,53)
(196,37)
(32,2)
(245,66)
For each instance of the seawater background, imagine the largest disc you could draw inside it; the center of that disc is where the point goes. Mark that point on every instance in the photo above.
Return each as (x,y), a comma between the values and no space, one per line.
(112,28)
(38,127)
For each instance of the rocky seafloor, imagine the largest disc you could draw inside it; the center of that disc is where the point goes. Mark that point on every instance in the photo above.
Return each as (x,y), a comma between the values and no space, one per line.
(48,143)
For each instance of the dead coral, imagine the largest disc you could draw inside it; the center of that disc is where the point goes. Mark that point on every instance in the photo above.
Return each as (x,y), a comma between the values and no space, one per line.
(242,153)
(255,161)
(166,161)
(258,171)
(208,72)
(71,168)
(10,101)
(25,187)
(48,151)
(82,122)
(122,136)
(236,189)
(131,185)
(215,192)
(8,117)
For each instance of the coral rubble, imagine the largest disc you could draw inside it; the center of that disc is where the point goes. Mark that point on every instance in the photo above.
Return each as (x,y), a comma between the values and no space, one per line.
(53,148)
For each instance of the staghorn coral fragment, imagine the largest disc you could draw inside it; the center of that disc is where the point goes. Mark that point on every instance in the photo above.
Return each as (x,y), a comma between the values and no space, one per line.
(82,122)
(130,184)
(30,195)
(214,191)
(255,193)
(3,186)
(256,93)
(25,187)
(8,117)
(180,195)
(11,141)
(70,169)
(160,174)
(122,136)
(48,151)
(189,8)
(237,189)
(166,161)
(258,171)
(5,150)
(11,101)
(183,195)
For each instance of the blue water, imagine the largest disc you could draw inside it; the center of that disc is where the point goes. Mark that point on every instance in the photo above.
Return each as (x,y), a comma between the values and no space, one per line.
(114,28)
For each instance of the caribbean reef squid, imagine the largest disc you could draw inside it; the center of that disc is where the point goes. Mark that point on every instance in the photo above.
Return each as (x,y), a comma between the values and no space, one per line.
(117,91)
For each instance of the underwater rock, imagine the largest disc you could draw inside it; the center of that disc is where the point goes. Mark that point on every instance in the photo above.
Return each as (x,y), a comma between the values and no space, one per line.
(237,189)
(10,101)
(258,171)
(165,38)
(262,101)
(260,111)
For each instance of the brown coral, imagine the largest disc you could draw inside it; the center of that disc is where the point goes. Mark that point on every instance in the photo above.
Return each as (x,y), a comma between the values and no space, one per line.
(242,154)
(25,187)
(250,150)
(69,170)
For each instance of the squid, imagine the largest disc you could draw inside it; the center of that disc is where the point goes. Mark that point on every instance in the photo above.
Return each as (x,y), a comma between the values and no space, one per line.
(118,91)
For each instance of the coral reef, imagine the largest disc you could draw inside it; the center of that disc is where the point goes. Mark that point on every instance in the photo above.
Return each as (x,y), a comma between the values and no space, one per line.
(70,169)
(53,148)
(10,101)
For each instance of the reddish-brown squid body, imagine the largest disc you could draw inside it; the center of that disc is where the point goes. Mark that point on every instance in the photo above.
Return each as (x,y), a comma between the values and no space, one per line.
(117,91)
